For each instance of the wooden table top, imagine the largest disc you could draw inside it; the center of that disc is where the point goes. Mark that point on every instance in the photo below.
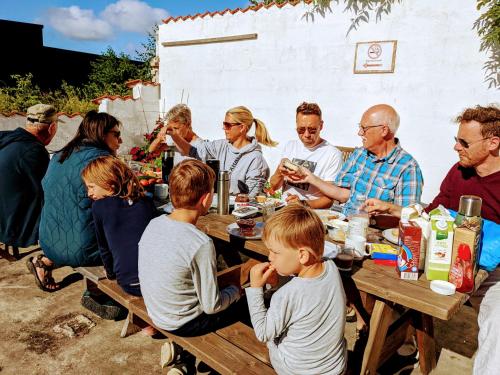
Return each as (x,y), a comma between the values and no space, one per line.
(380,281)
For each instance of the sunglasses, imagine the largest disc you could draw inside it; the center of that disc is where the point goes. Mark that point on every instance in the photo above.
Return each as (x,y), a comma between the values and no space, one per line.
(302,130)
(116,133)
(363,129)
(466,144)
(229,125)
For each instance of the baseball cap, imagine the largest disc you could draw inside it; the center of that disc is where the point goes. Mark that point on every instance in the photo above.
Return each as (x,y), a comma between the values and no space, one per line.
(43,113)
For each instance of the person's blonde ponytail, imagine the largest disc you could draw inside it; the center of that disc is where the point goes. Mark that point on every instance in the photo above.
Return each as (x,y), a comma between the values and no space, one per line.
(262,134)
(242,115)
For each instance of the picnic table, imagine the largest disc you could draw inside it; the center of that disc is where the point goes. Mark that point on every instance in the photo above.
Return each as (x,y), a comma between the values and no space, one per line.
(394,304)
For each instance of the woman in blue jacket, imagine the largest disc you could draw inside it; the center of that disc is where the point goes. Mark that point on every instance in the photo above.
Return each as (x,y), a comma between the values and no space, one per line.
(67,233)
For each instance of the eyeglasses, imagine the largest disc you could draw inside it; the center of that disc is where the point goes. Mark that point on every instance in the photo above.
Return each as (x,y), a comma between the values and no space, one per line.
(363,129)
(466,144)
(302,130)
(229,125)
(116,133)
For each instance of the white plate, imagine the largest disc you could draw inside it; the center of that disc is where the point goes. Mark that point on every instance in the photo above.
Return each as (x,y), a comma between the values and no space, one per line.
(232,198)
(234,230)
(340,217)
(387,234)
(325,215)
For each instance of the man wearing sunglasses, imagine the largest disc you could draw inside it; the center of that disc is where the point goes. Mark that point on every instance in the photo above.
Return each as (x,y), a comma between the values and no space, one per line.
(477,172)
(311,152)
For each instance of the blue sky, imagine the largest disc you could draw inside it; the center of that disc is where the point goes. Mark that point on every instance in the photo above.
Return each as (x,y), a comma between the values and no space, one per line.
(92,25)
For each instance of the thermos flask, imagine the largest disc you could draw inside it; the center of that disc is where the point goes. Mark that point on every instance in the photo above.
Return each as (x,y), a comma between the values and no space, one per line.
(223,193)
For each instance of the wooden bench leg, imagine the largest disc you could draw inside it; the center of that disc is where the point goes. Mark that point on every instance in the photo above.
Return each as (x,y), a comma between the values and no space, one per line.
(379,324)
(15,252)
(129,327)
(425,341)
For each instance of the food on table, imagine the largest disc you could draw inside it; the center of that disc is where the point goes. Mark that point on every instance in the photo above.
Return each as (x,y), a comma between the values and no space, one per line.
(290,166)
(261,198)
(395,232)
(247,227)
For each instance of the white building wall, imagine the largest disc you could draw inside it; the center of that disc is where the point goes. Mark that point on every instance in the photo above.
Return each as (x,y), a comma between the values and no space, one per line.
(137,116)
(438,73)
(65,131)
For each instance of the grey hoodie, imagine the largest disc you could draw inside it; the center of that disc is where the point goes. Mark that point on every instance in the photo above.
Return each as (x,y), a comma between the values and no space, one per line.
(250,171)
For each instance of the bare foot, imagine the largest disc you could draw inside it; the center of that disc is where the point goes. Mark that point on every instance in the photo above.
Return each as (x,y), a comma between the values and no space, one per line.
(149,331)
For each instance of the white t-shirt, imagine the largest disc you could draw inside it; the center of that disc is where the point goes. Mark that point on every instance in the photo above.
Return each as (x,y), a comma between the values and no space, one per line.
(324,160)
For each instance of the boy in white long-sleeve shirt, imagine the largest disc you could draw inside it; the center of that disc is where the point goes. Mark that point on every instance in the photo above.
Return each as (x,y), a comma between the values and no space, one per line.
(177,262)
(304,325)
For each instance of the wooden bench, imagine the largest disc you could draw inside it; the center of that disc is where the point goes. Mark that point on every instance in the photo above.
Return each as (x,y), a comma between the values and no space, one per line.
(231,350)
(346,152)
(15,252)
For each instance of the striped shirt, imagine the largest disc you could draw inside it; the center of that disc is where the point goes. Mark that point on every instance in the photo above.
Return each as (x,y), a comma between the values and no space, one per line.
(395,178)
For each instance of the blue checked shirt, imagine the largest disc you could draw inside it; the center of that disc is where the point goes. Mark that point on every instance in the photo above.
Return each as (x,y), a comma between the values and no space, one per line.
(396,178)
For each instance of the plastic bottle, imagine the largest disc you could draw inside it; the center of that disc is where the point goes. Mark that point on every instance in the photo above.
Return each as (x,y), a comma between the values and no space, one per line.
(461,273)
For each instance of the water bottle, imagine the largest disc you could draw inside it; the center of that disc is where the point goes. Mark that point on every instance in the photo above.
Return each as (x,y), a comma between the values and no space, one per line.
(223,193)
(167,164)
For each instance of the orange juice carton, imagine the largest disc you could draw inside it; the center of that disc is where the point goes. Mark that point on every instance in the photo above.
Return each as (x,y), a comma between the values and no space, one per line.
(410,236)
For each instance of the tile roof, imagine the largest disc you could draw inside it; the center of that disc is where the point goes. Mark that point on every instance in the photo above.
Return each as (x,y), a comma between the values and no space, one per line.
(134,82)
(254,8)
(111,97)
(14,113)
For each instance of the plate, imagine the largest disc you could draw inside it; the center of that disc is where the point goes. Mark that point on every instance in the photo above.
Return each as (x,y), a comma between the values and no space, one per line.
(234,230)
(389,236)
(278,203)
(339,216)
(327,215)
(232,198)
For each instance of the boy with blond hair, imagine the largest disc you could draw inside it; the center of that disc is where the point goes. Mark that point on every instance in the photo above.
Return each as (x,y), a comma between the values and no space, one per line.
(177,262)
(304,325)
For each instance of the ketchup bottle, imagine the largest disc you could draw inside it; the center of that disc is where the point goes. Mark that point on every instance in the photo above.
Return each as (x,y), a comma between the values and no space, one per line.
(461,273)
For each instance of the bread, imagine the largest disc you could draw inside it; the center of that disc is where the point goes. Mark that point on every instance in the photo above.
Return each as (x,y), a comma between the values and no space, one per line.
(290,166)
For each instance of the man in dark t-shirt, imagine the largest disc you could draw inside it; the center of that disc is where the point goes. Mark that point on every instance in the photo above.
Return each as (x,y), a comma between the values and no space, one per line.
(478,173)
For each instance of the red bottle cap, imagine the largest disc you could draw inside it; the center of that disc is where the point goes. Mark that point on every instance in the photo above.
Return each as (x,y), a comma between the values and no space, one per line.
(464,251)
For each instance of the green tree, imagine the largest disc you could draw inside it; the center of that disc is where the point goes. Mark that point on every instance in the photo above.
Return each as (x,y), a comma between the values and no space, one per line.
(109,74)
(488,28)
(146,53)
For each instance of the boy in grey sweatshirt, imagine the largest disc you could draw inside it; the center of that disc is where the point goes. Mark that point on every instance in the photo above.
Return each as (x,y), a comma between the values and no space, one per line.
(304,325)
(177,263)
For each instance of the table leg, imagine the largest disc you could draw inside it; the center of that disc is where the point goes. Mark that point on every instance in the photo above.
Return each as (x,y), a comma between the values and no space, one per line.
(379,324)
(425,341)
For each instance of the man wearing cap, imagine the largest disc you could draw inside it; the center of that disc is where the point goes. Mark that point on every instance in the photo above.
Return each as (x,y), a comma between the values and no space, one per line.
(23,163)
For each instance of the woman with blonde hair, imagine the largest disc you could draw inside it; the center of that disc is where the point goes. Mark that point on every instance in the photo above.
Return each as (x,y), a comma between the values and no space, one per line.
(121,212)
(178,118)
(238,153)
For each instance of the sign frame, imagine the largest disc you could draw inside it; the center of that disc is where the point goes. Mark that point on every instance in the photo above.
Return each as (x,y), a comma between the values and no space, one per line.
(374,47)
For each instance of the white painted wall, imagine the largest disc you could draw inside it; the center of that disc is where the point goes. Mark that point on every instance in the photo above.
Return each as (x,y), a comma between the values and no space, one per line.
(137,115)
(438,73)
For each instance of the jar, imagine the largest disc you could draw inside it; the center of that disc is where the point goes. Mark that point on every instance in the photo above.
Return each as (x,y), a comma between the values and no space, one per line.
(241,200)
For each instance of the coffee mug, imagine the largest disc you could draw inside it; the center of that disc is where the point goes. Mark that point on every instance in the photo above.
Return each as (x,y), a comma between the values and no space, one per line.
(358,243)
(161,191)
